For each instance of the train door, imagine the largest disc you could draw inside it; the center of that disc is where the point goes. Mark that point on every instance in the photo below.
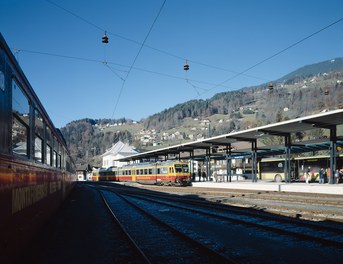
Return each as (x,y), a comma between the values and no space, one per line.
(171,173)
(134,177)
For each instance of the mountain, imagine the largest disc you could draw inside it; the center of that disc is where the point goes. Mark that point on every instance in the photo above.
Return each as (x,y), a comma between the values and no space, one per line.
(314,69)
(308,90)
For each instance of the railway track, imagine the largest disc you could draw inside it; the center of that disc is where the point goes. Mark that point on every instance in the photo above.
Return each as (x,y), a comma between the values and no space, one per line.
(162,244)
(238,233)
(314,207)
(311,231)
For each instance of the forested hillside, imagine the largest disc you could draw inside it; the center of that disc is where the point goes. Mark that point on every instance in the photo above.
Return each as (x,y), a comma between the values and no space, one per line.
(309,90)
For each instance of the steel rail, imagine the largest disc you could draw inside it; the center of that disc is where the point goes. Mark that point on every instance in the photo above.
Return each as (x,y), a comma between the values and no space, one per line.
(297,234)
(131,240)
(217,256)
(229,208)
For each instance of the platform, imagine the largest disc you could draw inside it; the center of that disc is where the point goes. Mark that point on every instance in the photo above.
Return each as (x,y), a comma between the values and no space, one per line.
(336,189)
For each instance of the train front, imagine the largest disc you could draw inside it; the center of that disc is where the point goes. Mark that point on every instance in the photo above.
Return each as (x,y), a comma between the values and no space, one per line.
(182,174)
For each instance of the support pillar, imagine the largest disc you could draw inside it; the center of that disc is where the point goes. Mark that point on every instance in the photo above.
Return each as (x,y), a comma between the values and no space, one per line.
(287,158)
(228,163)
(254,160)
(333,153)
(208,164)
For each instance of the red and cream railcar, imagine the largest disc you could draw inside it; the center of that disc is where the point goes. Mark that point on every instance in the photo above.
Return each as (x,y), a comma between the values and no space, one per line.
(159,173)
(36,172)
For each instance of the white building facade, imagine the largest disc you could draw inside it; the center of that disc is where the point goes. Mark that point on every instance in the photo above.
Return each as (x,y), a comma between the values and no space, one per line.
(117,151)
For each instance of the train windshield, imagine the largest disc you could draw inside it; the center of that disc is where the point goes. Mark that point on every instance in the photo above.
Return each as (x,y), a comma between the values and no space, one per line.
(181,168)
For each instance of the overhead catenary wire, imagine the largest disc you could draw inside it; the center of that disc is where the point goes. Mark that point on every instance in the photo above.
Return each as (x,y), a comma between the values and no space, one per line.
(114,63)
(148,46)
(136,57)
(276,54)
(237,74)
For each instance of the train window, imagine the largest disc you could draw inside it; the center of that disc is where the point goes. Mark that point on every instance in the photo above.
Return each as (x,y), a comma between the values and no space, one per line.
(38,149)
(150,171)
(158,170)
(48,155)
(19,138)
(145,171)
(21,120)
(54,159)
(48,135)
(141,172)
(59,161)
(20,103)
(185,168)
(39,135)
(2,81)
(39,126)
(178,168)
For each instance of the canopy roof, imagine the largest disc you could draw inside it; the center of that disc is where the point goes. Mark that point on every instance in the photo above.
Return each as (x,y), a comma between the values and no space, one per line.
(325,120)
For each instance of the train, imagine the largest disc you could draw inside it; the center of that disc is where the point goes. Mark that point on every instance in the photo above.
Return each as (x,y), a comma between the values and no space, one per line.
(158,173)
(36,169)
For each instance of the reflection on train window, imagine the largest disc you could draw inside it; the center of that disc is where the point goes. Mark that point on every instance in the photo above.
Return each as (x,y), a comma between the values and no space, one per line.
(59,160)
(21,118)
(2,81)
(19,137)
(20,103)
(59,164)
(164,171)
(54,159)
(48,155)
(48,136)
(39,126)
(38,149)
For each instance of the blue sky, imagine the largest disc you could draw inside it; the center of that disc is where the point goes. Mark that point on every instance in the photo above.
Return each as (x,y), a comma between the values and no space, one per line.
(220,38)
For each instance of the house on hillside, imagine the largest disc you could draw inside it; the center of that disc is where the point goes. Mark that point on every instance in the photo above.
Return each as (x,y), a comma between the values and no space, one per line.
(117,151)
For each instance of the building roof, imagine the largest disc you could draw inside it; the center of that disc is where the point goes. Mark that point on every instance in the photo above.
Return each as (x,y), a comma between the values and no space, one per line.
(121,148)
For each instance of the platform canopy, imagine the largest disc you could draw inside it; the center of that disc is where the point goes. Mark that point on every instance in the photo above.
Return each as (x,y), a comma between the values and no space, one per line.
(327,120)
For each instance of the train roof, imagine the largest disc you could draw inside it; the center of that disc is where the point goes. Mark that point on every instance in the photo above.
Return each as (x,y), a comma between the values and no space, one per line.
(30,91)
(157,163)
